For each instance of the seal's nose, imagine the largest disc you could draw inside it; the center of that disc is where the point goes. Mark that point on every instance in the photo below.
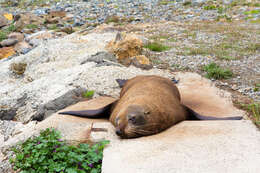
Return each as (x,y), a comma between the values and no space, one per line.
(119,132)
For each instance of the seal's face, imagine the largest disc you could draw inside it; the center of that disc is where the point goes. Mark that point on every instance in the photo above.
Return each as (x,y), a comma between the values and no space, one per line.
(135,122)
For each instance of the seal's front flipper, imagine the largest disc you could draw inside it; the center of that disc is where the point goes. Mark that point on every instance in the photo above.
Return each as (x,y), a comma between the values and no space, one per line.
(192,115)
(96,108)
(121,82)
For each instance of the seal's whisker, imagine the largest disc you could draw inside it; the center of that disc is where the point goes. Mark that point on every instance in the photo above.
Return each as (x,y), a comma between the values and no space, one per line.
(140,131)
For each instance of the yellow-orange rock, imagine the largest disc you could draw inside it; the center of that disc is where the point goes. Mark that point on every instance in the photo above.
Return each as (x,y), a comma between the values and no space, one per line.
(141,61)
(125,47)
(6,52)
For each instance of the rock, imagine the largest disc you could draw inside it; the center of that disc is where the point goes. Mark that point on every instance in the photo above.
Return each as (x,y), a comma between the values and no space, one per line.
(8,42)
(125,47)
(103,59)
(23,20)
(57,14)
(18,68)
(141,61)
(41,35)
(22,47)
(67,29)
(54,17)
(3,21)
(52,20)
(17,36)
(6,52)
(114,19)
(227,1)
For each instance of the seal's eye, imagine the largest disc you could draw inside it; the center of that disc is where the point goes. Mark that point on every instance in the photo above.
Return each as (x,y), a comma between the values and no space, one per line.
(132,119)
(136,119)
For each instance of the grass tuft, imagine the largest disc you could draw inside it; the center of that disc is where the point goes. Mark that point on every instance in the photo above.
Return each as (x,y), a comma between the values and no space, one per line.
(88,94)
(254,109)
(216,72)
(157,47)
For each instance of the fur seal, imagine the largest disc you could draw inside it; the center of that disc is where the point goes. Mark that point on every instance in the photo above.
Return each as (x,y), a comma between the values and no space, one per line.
(147,105)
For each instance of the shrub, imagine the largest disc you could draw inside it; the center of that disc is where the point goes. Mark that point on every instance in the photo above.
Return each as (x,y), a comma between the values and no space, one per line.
(48,153)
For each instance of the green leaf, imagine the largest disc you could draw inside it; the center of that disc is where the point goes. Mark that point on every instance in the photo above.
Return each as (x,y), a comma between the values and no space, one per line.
(94,170)
(71,170)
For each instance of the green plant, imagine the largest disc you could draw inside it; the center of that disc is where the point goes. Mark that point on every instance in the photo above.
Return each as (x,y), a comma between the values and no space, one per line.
(52,27)
(252,12)
(157,47)
(254,109)
(88,94)
(209,7)
(186,3)
(165,2)
(48,153)
(3,35)
(220,10)
(114,19)
(5,32)
(11,28)
(31,26)
(216,72)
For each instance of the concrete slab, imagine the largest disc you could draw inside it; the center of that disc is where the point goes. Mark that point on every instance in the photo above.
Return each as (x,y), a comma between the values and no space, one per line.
(190,146)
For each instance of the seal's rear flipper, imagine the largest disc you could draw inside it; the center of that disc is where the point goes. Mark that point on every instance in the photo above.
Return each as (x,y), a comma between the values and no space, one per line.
(121,82)
(195,116)
(96,108)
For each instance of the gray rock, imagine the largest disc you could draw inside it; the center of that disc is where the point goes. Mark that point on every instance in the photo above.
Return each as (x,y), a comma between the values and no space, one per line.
(8,42)
(103,59)
(3,21)
(227,1)
(17,36)
(22,47)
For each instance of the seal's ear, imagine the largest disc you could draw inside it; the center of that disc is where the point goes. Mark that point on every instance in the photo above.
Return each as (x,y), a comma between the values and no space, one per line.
(96,108)
(121,82)
(192,115)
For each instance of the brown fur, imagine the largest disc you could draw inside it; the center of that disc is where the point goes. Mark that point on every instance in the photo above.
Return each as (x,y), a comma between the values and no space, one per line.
(155,94)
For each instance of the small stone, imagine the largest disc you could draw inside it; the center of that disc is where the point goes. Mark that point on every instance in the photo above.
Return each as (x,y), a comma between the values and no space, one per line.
(141,61)
(17,36)
(57,14)
(6,52)
(23,20)
(22,47)
(18,68)
(67,29)
(3,21)
(8,42)
(41,35)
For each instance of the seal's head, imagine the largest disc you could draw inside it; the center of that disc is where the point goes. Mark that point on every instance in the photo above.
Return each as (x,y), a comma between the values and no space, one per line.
(135,121)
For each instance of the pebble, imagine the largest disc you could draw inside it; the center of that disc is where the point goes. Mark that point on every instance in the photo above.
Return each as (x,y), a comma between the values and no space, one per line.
(8,42)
